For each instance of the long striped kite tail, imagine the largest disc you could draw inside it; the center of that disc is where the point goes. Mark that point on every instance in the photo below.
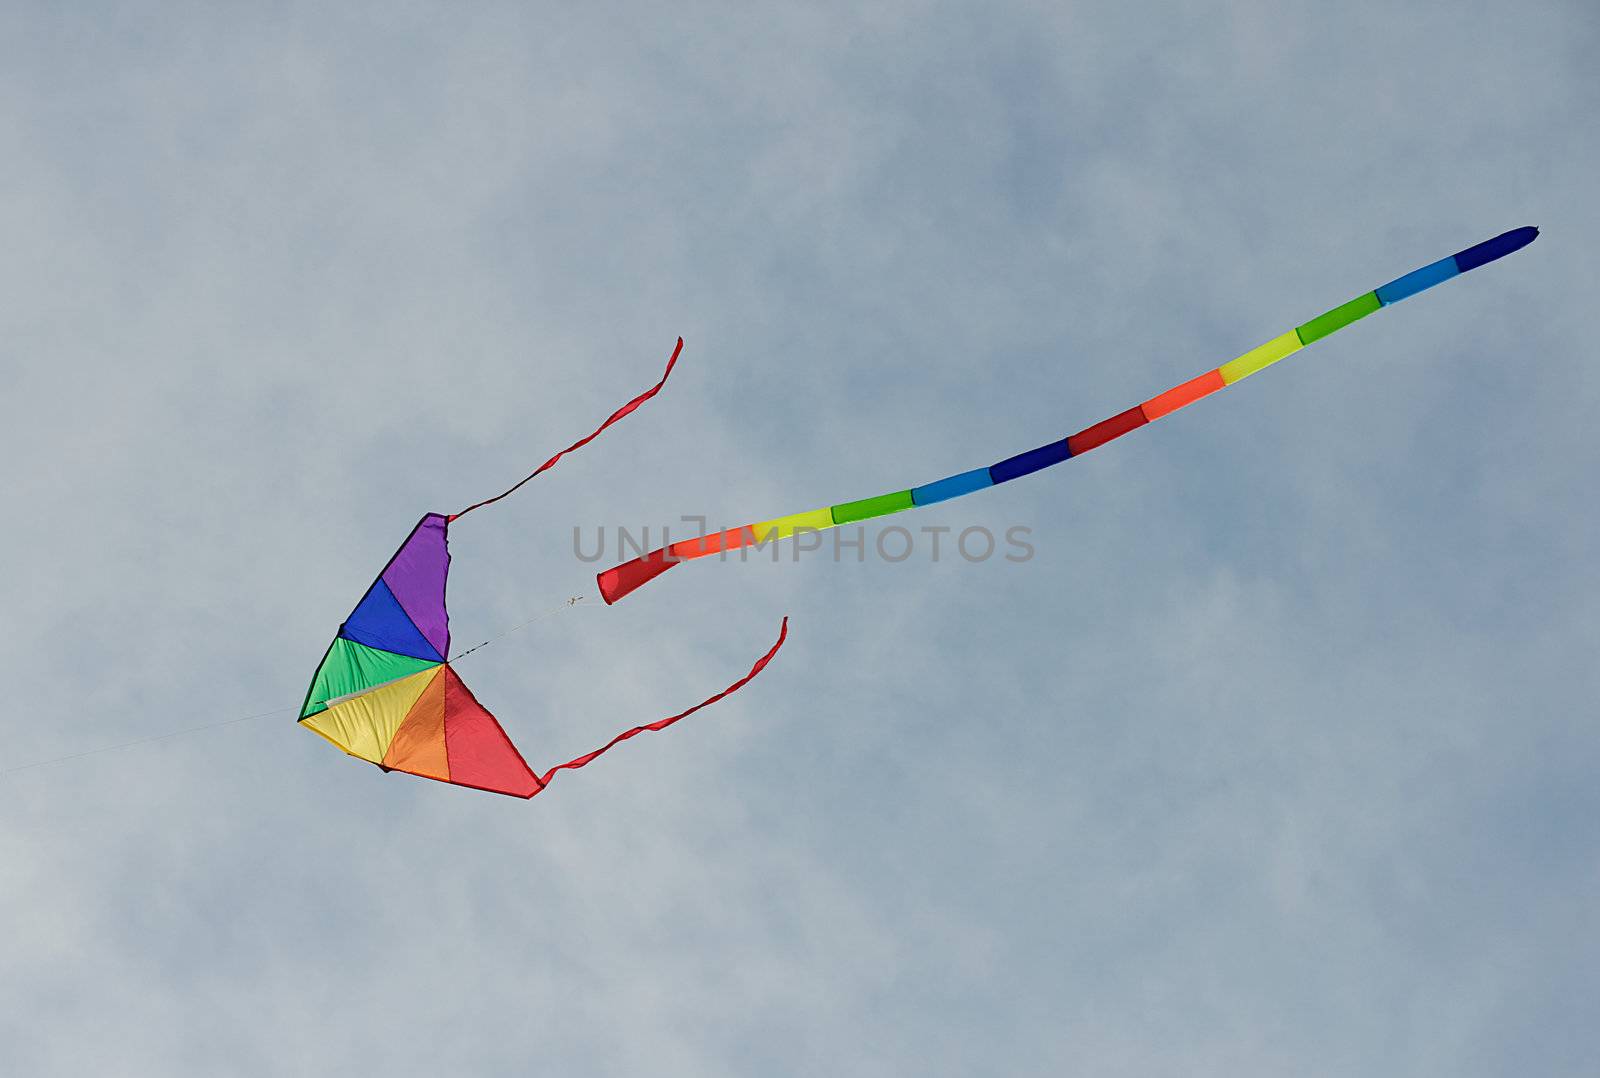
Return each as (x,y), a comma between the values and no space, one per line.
(625,410)
(662,724)
(618,581)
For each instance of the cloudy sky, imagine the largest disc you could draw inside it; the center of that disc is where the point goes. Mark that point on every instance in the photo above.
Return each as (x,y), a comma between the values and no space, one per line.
(1278,757)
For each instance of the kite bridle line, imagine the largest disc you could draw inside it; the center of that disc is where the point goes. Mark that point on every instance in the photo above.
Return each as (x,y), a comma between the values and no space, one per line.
(567,604)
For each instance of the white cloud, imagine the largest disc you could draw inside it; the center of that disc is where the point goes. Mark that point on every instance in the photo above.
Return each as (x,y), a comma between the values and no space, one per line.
(1275,759)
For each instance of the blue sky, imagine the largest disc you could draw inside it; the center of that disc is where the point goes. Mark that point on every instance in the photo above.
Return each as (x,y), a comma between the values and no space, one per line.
(1278,757)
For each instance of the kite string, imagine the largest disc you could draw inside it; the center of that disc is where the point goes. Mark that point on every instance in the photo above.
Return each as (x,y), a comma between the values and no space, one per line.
(580,443)
(148,740)
(567,604)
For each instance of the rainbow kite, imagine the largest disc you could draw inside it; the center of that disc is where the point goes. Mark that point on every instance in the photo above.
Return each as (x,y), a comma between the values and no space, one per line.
(622,579)
(386,691)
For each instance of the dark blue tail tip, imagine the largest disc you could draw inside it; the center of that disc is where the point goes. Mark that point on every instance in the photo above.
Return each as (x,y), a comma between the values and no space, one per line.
(1499,247)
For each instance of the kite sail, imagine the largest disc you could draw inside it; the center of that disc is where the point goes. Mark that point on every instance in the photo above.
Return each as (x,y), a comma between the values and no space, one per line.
(622,579)
(386,692)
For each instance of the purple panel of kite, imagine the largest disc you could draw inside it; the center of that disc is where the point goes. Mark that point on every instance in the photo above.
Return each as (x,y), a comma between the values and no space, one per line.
(416,575)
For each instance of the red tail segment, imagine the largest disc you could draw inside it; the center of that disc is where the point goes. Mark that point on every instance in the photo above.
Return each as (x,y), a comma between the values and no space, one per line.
(621,579)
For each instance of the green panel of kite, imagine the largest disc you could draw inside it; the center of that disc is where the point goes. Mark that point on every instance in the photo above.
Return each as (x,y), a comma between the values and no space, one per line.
(351,667)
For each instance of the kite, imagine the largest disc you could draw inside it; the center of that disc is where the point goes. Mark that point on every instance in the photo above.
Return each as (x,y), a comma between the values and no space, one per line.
(618,581)
(386,691)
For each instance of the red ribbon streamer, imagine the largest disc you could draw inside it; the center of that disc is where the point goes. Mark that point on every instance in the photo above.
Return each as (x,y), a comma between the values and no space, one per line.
(662,724)
(580,443)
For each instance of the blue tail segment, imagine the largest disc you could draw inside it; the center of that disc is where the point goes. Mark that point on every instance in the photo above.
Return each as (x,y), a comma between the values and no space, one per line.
(1499,247)
(953,487)
(1417,280)
(1026,463)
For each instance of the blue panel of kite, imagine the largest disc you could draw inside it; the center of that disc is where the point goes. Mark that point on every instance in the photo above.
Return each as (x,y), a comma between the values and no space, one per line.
(379,622)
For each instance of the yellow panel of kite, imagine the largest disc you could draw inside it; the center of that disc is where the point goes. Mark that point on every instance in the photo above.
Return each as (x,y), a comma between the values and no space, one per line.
(364,725)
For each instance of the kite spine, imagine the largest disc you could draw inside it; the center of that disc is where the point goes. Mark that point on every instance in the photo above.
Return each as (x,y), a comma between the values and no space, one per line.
(625,578)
